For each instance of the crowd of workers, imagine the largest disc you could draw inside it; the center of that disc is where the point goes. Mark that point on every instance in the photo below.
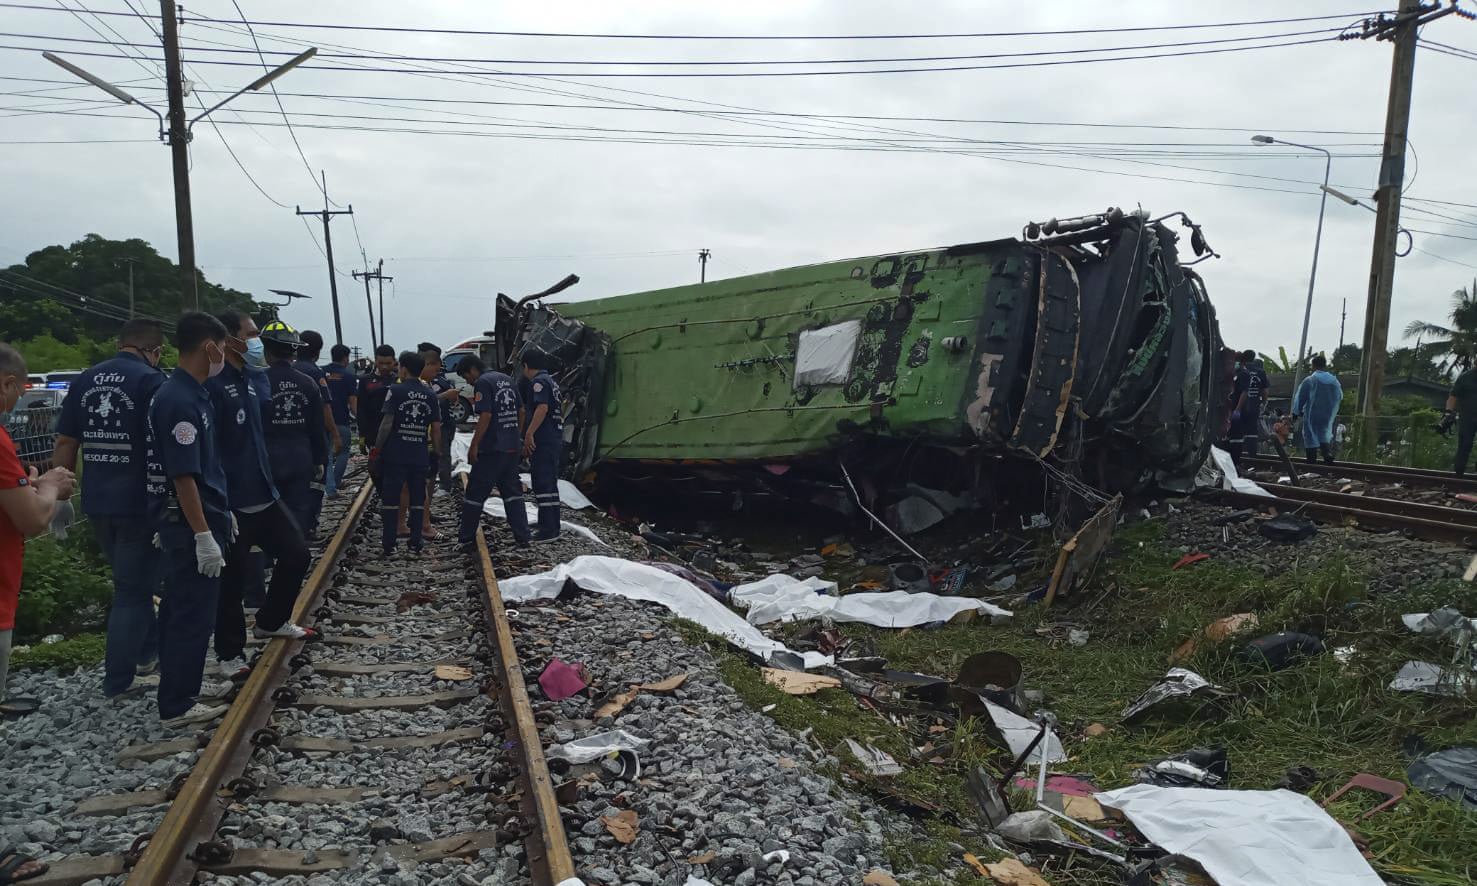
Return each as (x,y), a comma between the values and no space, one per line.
(201,481)
(1314,420)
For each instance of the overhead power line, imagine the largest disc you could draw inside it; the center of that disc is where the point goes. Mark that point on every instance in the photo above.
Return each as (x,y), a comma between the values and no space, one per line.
(753,74)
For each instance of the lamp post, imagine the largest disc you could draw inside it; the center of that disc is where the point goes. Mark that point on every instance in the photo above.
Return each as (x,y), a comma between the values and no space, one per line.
(1297,374)
(178,137)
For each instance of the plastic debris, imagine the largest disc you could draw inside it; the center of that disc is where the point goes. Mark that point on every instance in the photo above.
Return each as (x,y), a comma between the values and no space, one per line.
(1077,637)
(1288,528)
(1018,733)
(1176,686)
(560,679)
(1422,676)
(876,762)
(1187,559)
(1197,767)
(1246,838)
(1450,773)
(1441,623)
(1031,827)
(593,747)
(1279,651)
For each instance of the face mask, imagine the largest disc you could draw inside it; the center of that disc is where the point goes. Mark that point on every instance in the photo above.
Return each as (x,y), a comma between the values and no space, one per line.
(217,365)
(256,354)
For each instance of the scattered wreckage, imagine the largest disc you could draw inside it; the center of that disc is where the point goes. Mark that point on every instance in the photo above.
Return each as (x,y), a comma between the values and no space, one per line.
(943,377)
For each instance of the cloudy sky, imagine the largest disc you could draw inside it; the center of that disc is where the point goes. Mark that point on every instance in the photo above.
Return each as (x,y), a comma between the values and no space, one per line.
(497,192)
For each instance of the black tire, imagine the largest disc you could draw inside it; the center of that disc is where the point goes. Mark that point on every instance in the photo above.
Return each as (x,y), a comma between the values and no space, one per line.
(461,410)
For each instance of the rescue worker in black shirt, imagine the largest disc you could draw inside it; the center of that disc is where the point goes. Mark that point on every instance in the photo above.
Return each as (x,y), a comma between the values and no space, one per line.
(370,400)
(493,453)
(543,440)
(409,422)
(186,489)
(446,394)
(307,364)
(106,416)
(343,387)
(297,445)
(257,505)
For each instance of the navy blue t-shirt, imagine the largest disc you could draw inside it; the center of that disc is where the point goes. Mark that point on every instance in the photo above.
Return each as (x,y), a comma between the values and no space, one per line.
(410,411)
(235,396)
(294,424)
(542,389)
(107,411)
(341,383)
(314,372)
(182,436)
(439,385)
(495,393)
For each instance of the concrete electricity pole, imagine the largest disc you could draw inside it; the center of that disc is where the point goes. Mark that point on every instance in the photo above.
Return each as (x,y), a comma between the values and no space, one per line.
(1402,31)
(131,262)
(326,214)
(702,260)
(366,276)
(179,150)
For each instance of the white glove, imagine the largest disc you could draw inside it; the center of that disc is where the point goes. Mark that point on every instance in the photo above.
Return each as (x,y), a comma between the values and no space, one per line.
(234,530)
(64,517)
(208,556)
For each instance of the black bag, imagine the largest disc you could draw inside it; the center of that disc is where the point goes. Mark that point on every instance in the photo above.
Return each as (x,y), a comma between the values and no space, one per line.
(1287,529)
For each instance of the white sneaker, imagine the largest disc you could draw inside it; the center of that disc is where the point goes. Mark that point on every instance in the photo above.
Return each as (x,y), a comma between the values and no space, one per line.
(288,629)
(231,668)
(197,714)
(143,681)
(145,670)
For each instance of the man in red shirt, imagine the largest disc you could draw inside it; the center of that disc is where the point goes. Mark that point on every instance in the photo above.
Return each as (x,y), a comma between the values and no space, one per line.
(27,504)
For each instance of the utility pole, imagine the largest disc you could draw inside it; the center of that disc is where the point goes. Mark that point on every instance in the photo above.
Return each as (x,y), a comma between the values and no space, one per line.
(1343,318)
(179,149)
(326,214)
(366,276)
(702,260)
(1401,30)
(131,262)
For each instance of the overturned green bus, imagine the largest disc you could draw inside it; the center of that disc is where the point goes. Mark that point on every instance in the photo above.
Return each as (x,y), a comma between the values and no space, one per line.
(1085,344)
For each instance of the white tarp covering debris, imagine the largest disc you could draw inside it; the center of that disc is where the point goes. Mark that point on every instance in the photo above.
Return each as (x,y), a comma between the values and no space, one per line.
(823,356)
(1246,838)
(1020,732)
(569,494)
(783,598)
(1231,481)
(637,581)
(593,747)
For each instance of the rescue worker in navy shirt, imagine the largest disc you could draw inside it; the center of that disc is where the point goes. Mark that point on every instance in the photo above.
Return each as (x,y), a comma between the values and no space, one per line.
(297,448)
(543,440)
(494,452)
(343,386)
(187,503)
(409,421)
(307,364)
(1246,413)
(446,394)
(257,507)
(106,417)
(369,402)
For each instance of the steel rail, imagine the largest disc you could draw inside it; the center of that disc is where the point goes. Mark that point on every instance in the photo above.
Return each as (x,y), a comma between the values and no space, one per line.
(547,847)
(1375,472)
(1420,527)
(197,810)
(1396,506)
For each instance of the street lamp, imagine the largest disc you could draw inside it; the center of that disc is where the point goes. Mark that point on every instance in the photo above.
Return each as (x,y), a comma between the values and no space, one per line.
(1297,375)
(178,134)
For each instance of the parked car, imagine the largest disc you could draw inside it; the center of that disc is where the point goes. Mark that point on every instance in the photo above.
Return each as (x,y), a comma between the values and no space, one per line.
(35,380)
(62,379)
(461,410)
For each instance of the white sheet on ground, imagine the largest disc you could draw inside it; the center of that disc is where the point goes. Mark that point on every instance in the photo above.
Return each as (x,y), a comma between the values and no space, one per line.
(569,494)
(1232,481)
(1246,838)
(783,598)
(637,581)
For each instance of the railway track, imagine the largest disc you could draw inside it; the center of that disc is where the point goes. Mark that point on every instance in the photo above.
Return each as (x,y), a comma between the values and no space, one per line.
(411,714)
(1431,522)
(1374,473)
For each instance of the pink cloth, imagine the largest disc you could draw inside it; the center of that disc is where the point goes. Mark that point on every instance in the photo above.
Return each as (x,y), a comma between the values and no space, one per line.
(560,679)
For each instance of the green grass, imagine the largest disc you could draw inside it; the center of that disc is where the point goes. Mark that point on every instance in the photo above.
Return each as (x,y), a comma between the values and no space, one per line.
(81,651)
(1335,717)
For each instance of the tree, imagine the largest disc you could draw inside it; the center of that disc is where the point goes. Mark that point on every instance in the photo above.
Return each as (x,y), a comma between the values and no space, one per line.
(1279,363)
(1454,345)
(94,272)
(1346,358)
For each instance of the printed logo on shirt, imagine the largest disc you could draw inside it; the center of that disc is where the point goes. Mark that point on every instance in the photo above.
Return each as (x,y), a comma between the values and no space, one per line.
(477,397)
(537,387)
(504,396)
(241,416)
(185,433)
